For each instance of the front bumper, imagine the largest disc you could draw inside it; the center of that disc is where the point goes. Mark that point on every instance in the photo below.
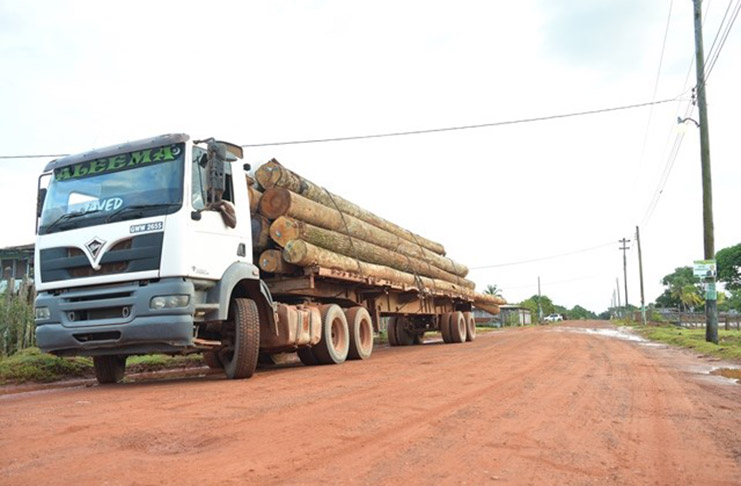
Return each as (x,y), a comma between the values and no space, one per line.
(116,319)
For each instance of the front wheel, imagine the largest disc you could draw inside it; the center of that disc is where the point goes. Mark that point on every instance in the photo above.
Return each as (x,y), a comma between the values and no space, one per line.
(109,369)
(241,333)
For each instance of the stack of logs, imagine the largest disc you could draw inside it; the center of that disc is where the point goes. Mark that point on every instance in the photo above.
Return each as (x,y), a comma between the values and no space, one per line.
(296,223)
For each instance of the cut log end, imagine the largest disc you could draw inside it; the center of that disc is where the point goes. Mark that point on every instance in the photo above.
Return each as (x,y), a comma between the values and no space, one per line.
(272,261)
(284,230)
(275,202)
(269,174)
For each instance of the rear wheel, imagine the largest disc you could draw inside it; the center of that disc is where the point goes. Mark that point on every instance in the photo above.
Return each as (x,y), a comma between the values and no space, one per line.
(457,327)
(391,331)
(361,333)
(470,326)
(445,327)
(109,369)
(242,335)
(404,337)
(212,360)
(306,355)
(335,341)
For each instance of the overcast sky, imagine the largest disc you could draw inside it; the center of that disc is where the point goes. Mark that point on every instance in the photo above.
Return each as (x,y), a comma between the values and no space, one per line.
(85,74)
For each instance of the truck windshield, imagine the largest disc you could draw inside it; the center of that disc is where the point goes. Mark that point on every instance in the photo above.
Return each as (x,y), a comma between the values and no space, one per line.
(125,186)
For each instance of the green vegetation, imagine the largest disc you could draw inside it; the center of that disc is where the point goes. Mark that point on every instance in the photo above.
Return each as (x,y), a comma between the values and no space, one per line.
(493,290)
(31,365)
(728,347)
(682,289)
(16,324)
(729,267)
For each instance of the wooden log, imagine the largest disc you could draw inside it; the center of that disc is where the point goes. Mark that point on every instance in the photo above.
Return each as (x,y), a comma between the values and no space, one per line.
(255,197)
(273,174)
(285,229)
(278,202)
(489,299)
(492,309)
(305,254)
(272,261)
(260,233)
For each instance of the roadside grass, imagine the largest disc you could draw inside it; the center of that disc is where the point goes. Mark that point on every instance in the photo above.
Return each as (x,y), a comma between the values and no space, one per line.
(728,347)
(31,365)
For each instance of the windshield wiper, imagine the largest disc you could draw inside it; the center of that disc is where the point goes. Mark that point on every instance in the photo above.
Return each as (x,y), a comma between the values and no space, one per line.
(68,216)
(138,209)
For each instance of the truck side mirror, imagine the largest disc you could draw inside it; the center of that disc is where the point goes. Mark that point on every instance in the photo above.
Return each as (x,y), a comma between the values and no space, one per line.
(40,198)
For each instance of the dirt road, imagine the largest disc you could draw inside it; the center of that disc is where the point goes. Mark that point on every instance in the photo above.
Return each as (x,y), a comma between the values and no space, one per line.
(547,405)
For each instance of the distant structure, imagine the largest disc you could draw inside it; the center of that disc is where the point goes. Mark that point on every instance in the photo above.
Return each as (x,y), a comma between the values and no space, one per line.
(16,263)
(514,315)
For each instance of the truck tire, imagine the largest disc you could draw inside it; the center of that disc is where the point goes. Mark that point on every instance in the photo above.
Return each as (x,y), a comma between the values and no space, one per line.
(240,359)
(457,327)
(306,355)
(404,337)
(335,342)
(445,327)
(212,360)
(361,333)
(391,331)
(109,369)
(470,326)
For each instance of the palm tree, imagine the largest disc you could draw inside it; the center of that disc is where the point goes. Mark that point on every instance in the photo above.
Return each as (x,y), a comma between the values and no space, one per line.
(493,290)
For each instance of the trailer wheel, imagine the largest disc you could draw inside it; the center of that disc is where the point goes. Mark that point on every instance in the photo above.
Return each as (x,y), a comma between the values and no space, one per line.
(391,331)
(306,355)
(361,333)
(404,337)
(109,369)
(470,326)
(243,330)
(335,342)
(445,327)
(458,327)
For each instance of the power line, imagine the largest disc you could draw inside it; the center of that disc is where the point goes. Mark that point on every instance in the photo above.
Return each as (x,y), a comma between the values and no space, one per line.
(419,132)
(729,26)
(542,258)
(466,127)
(656,87)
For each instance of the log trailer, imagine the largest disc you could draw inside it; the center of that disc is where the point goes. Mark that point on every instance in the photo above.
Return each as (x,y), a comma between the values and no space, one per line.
(148,247)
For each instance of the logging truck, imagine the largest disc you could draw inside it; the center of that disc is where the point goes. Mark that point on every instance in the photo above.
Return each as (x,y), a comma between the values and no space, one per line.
(173,245)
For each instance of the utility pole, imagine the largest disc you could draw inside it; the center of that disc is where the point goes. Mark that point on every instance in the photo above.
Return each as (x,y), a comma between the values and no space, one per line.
(640,272)
(711,303)
(625,268)
(540,309)
(617,287)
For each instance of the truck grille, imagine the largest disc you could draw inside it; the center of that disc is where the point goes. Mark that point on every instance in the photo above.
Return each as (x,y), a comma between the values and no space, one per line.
(135,254)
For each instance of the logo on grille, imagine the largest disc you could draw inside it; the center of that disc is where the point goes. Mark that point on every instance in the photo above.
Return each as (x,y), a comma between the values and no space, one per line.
(94,246)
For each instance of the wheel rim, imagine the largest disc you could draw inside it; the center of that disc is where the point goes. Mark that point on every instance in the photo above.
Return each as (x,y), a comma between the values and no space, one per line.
(366,336)
(339,339)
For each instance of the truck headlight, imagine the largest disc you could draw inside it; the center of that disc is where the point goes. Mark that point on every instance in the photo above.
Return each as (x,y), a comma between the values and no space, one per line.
(169,301)
(42,313)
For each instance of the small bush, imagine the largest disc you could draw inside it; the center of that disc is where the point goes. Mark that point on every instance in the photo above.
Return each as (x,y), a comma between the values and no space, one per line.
(32,365)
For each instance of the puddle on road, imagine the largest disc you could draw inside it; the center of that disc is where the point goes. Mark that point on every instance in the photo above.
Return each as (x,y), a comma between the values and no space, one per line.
(620,333)
(730,373)
(727,375)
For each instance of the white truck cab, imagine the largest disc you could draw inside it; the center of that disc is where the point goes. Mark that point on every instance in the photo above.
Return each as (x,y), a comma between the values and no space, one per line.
(144,247)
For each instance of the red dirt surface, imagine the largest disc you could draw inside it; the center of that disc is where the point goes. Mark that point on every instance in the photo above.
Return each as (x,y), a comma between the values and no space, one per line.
(545,405)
